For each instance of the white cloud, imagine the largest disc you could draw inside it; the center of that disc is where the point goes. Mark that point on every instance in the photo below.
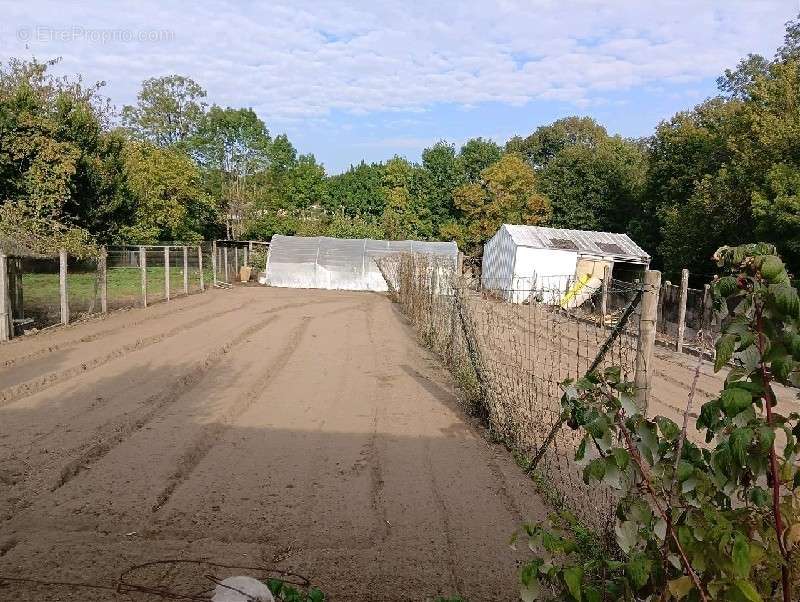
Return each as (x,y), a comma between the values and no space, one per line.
(299,60)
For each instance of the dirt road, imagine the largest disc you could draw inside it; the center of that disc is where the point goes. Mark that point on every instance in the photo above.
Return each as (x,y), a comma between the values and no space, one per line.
(304,430)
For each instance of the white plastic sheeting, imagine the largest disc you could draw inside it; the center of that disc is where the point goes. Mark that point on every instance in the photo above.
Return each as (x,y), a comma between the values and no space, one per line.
(340,263)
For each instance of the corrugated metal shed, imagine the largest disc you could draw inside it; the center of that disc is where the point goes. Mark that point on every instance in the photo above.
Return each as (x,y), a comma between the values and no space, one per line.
(619,247)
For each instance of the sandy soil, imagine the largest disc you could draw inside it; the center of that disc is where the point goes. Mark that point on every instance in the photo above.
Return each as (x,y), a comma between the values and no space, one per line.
(304,430)
(672,377)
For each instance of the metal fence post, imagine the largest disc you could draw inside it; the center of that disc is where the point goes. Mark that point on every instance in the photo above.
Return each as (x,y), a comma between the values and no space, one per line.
(185,270)
(604,294)
(235,263)
(225,261)
(682,309)
(166,273)
(214,260)
(143,270)
(6,320)
(647,337)
(200,267)
(102,274)
(62,285)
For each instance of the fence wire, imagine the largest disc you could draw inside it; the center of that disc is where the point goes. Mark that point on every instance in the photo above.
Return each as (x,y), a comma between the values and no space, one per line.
(511,348)
(35,296)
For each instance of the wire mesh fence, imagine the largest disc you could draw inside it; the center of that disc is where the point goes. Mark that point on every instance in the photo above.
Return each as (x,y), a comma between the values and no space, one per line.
(697,314)
(37,292)
(511,347)
(119,277)
(239,261)
(231,257)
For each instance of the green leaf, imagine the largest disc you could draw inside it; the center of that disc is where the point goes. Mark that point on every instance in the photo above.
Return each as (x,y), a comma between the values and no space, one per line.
(621,457)
(315,595)
(638,570)
(613,374)
(530,592)
(782,367)
(725,286)
(759,496)
(596,469)
(685,470)
(741,556)
(740,439)
(725,346)
(627,533)
(592,594)
(766,437)
(680,587)
(771,268)
(573,577)
(786,299)
(660,529)
(668,428)
(734,400)
(748,591)
(581,451)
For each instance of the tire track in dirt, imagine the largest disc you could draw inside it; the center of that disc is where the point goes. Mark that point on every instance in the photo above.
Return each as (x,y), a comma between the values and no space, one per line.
(441,509)
(117,432)
(33,386)
(97,335)
(30,387)
(212,432)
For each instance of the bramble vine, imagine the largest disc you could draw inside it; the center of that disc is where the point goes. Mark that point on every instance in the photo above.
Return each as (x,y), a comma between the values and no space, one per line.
(719,521)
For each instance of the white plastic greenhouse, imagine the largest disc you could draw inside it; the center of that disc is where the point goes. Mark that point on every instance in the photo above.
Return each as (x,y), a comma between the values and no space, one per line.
(340,263)
(555,265)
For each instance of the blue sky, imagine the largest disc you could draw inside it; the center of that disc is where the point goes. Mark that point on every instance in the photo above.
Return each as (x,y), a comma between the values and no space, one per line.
(369,80)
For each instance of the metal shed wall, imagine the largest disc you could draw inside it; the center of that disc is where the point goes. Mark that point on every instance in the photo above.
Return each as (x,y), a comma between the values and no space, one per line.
(498,261)
(340,263)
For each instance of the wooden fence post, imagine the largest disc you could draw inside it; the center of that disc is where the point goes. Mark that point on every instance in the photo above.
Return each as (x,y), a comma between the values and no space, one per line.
(225,262)
(166,272)
(143,270)
(185,270)
(246,256)
(62,285)
(707,308)
(14,284)
(200,267)
(648,314)
(235,263)
(682,309)
(102,274)
(214,260)
(604,294)
(6,320)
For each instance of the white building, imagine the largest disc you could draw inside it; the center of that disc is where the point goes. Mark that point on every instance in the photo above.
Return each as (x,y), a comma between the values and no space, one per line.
(556,266)
(341,263)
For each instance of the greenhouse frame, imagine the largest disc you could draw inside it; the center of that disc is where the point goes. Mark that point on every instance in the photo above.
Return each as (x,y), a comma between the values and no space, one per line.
(341,263)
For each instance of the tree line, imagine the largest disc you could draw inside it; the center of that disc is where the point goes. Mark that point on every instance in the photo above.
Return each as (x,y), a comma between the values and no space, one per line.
(174,167)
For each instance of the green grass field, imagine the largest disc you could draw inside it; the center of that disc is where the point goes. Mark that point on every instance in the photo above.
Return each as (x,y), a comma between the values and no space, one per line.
(41,291)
